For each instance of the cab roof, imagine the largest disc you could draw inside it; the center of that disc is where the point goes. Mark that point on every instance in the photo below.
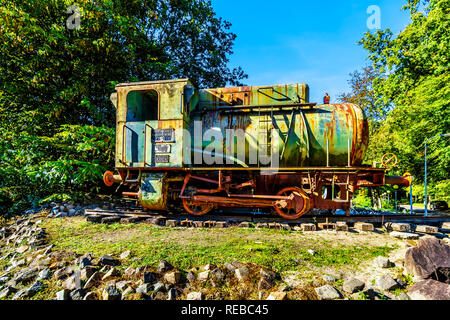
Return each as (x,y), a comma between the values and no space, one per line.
(126,84)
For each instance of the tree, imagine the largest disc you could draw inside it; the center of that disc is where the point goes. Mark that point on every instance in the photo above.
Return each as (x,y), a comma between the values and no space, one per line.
(363,94)
(55,115)
(55,75)
(414,77)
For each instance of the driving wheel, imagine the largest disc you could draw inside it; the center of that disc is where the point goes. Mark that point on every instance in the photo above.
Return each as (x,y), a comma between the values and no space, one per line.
(197,208)
(297,206)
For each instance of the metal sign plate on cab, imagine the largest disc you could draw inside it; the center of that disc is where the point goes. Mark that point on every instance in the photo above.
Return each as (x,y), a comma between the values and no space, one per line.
(164,135)
(162,148)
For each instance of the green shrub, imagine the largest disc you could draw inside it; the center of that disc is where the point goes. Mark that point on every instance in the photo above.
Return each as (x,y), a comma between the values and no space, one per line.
(61,167)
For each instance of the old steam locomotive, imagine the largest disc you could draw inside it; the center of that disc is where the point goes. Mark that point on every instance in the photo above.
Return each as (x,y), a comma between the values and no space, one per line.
(205,148)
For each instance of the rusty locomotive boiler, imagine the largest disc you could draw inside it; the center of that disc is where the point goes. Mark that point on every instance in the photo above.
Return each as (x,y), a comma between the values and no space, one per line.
(256,147)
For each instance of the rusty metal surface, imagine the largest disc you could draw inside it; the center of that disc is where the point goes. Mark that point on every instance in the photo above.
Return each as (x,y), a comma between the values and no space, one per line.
(321,147)
(254,95)
(308,137)
(316,136)
(153,192)
(134,145)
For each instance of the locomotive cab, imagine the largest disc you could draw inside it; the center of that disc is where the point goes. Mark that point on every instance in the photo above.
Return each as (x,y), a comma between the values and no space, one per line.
(150,119)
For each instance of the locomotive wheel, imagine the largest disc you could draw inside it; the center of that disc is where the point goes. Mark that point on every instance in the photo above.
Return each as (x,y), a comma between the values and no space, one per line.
(197,208)
(296,207)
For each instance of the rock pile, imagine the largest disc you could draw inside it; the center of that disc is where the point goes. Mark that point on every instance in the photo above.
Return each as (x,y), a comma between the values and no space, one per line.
(33,265)
(429,262)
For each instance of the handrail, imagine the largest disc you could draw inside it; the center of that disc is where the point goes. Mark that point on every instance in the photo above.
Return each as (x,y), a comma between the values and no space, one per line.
(182,103)
(123,143)
(268,106)
(306,132)
(145,142)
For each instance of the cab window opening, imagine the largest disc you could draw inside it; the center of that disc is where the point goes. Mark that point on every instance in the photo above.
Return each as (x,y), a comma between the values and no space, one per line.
(142,105)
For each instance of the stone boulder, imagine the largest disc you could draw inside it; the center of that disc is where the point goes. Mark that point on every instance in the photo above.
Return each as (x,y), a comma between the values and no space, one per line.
(129,272)
(228,266)
(203,276)
(107,260)
(172,294)
(195,296)
(84,263)
(159,286)
(73,282)
(217,275)
(277,296)
(22,293)
(265,283)
(149,277)
(7,291)
(123,285)
(90,296)
(386,283)
(63,273)
(94,280)
(242,273)
(430,259)
(382,262)
(62,295)
(111,274)
(164,266)
(111,293)
(77,294)
(44,274)
(429,290)
(328,278)
(173,277)
(190,277)
(268,274)
(144,288)
(26,274)
(353,285)
(328,292)
(87,272)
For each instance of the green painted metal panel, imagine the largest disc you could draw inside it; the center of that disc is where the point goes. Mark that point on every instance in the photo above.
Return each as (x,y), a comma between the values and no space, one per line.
(134,142)
(342,127)
(153,192)
(303,137)
(148,148)
(256,95)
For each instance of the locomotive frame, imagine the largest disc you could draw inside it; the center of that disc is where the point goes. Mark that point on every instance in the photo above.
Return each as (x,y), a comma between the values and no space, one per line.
(151,149)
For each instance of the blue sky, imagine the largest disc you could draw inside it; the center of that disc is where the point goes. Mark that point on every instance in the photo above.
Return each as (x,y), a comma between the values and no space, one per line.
(313,42)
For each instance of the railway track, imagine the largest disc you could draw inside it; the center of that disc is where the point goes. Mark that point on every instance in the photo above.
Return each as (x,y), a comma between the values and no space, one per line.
(136,215)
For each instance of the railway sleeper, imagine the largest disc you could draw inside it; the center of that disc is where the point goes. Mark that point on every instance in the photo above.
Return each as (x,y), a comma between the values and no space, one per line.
(362,227)
(426,229)
(401,227)
(245,224)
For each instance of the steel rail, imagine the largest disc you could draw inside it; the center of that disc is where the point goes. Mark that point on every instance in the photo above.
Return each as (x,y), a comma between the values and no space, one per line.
(416,219)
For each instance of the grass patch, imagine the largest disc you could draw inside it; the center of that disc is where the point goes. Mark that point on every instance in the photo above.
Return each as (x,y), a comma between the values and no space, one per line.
(280,250)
